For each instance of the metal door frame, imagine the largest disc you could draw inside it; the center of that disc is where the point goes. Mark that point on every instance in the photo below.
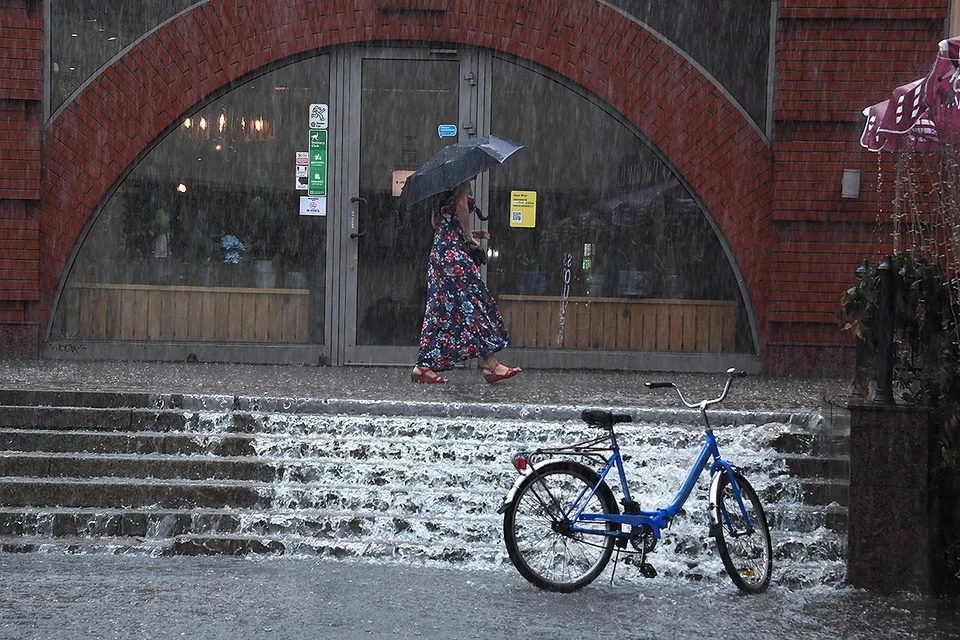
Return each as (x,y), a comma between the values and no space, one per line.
(346,219)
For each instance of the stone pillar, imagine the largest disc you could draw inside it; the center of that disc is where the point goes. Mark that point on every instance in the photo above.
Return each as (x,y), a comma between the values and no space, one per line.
(888,538)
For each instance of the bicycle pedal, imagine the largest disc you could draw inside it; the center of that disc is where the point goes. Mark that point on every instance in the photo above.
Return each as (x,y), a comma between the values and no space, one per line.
(647,570)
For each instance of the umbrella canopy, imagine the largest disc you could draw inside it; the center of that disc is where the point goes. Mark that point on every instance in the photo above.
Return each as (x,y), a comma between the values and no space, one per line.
(455,164)
(921,113)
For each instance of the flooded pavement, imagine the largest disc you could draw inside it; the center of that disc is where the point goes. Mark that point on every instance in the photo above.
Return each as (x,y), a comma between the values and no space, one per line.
(63,595)
(55,596)
(531,387)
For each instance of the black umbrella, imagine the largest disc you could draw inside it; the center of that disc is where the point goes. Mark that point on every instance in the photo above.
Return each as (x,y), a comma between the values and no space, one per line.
(455,164)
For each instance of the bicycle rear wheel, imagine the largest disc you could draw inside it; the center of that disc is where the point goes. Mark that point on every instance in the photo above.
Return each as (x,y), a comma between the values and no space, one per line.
(536,527)
(747,553)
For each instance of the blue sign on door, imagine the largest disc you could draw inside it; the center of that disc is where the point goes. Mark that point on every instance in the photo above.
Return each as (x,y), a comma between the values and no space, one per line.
(447,130)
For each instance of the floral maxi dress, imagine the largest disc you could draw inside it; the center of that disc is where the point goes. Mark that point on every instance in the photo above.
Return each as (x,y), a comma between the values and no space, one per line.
(461,319)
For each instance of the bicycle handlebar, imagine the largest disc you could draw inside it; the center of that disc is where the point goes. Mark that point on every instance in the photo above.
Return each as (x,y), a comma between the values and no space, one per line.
(703,404)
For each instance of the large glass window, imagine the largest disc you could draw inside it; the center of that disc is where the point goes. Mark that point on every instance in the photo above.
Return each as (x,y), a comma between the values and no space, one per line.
(617,255)
(204,240)
(88,33)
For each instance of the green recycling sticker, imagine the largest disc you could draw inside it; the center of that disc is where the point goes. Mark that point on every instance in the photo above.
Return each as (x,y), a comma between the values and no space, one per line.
(317,178)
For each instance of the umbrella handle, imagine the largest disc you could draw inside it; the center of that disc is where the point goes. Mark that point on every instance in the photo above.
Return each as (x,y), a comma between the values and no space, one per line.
(480,214)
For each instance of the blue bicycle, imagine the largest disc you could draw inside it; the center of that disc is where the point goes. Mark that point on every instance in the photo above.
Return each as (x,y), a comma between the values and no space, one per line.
(561,521)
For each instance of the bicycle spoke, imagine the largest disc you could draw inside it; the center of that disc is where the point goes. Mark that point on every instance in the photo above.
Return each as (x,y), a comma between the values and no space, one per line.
(746,553)
(537,529)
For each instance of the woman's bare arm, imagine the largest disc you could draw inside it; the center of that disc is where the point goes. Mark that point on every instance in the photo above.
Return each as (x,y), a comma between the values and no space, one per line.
(463,213)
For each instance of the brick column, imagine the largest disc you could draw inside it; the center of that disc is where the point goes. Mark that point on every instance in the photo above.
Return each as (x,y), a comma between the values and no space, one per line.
(888,539)
(21,108)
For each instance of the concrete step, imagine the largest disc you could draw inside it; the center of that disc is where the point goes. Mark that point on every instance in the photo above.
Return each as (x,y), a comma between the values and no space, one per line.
(161,466)
(817,443)
(141,442)
(91,418)
(825,467)
(807,518)
(85,545)
(163,479)
(114,492)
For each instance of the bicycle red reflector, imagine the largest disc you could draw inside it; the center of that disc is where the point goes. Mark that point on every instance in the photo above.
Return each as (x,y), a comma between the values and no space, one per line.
(520,463)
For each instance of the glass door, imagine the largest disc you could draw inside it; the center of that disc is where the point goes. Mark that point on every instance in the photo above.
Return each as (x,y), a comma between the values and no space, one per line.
(407,105)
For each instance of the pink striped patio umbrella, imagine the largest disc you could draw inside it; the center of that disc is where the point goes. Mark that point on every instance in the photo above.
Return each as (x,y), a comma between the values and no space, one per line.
(922,113)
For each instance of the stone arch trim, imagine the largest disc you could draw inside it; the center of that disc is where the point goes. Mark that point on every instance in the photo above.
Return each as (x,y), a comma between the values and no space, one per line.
(693,123)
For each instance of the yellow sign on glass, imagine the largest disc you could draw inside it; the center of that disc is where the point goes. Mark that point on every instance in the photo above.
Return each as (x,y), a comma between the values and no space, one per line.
(523,209)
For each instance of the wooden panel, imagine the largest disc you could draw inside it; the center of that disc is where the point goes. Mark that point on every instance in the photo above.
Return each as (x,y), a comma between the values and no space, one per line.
(153,305)
(703,330)
(112,313)
(581,314)
(612,324)
(649,335)
(201,314)
(261,319)
(208,317)
(544,324)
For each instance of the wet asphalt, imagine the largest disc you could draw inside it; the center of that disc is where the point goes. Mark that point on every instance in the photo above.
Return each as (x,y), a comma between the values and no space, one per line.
(56,596)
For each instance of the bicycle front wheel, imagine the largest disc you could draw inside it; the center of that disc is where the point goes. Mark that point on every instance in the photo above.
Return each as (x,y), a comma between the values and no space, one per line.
(746,551)
(537,527)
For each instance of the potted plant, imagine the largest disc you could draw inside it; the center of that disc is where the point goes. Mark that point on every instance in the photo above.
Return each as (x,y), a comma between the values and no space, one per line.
(530,279)
(231,252)
(289,259)
(198,255)
(162,269)
(261,223)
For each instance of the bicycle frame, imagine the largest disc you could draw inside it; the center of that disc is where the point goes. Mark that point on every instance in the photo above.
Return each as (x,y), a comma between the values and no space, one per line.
(659,519)
(709,456)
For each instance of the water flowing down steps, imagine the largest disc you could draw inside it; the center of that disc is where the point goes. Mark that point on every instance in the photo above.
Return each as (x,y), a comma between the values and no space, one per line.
(384,481)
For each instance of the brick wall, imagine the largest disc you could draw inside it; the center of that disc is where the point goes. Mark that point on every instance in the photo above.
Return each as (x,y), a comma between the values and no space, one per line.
(833,60)
(21,94)
(691,121)
(795,240)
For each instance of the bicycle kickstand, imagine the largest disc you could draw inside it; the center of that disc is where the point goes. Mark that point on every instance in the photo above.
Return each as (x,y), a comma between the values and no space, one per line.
(616,561)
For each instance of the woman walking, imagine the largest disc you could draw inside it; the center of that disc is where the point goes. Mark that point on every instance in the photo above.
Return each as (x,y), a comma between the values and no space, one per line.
(461,319)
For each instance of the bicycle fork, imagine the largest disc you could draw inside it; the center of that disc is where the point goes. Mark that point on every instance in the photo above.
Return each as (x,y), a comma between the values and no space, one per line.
(717,510)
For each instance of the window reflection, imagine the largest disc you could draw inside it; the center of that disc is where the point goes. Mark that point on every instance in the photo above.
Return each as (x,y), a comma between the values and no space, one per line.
(619,242)
(204,240)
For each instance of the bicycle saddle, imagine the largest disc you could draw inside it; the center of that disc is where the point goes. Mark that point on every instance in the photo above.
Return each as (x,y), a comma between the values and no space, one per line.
(604,419)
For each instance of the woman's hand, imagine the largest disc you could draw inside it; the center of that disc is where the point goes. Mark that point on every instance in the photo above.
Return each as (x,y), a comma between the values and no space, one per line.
(481,234)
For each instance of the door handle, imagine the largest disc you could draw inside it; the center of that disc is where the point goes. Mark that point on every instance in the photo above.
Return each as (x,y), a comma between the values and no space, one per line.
(358,234)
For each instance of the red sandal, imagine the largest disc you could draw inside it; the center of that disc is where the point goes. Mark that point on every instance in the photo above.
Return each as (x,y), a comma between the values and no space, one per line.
(426,375)
(490,373)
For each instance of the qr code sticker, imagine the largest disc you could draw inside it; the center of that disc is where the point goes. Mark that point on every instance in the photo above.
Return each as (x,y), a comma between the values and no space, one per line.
(516,216)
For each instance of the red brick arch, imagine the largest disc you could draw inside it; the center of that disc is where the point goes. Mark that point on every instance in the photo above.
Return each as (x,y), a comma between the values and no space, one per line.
(119,113)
